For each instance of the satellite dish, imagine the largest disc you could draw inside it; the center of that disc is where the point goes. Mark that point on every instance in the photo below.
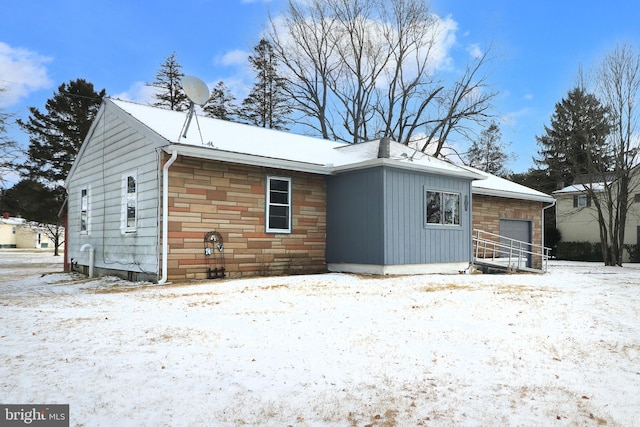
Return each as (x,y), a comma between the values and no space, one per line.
(198,93)
(196,90)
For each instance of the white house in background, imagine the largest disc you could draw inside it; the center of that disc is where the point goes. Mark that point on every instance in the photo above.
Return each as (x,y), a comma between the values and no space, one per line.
(18,233)
(577,217)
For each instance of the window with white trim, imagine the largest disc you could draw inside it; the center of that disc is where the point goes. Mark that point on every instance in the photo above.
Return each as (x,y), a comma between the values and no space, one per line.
(84,210)
(442,208)
(278,205)
(129,202)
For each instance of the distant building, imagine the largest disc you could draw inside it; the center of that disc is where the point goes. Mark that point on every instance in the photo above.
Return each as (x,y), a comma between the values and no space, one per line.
(21,234)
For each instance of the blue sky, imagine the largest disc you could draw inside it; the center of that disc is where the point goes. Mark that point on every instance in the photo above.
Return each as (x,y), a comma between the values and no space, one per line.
(119,45)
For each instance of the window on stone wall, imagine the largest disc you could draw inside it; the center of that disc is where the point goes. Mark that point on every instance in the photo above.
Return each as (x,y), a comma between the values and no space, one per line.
(278,206)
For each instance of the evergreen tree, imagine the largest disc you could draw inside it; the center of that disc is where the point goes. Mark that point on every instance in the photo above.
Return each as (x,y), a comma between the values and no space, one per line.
(168,83)
(56,136)
(267,105)
(221,103)
(488,152)
(574,143)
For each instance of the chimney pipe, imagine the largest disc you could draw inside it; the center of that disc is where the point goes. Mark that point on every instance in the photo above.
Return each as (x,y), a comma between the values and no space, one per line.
(384,151)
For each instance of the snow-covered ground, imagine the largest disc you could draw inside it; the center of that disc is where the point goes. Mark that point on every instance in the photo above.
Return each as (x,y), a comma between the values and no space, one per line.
(557,349)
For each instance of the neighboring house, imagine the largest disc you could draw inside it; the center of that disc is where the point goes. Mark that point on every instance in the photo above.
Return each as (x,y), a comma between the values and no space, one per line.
(511,211)
(20,234)
(577,217)
(142,196)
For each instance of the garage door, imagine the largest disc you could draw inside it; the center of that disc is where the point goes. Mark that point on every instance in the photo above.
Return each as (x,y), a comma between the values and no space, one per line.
(518,230)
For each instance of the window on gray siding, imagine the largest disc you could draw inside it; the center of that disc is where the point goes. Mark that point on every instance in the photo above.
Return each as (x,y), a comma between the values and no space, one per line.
(278,216)
(442,208)
(129,202)
(84,211)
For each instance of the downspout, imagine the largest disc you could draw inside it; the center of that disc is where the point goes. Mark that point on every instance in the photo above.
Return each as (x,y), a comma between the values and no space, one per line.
(91,257)
(543,227)
(165,216)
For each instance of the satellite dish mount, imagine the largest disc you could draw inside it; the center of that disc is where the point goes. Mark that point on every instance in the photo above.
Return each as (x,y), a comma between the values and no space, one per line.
(198,93)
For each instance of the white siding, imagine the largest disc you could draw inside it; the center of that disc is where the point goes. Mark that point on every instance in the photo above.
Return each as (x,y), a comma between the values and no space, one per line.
(114,148)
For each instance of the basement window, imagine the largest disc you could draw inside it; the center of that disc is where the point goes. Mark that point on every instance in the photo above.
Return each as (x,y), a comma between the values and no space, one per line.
(442,208)
(278,206)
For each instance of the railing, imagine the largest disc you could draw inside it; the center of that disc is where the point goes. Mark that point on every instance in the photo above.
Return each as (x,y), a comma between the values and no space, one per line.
(510,253)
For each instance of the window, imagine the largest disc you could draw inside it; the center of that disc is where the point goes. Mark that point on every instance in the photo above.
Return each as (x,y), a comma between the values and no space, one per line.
(278,216)
(84,211)
(129,202)
(637,198)
(443,208)
(581,201)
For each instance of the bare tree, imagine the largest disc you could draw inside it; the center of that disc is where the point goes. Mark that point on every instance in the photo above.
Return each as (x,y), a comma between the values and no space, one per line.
(359,69)
(9,150)
(618,84)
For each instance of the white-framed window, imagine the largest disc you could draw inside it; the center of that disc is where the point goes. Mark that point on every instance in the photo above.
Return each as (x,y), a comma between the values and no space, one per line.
(84,210)
(442,208)
(278,205)
(129,215)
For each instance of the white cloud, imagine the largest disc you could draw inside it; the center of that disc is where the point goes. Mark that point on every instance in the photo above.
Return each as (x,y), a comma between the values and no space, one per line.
(138,92)
(233,58)
(22,71)
(475,51)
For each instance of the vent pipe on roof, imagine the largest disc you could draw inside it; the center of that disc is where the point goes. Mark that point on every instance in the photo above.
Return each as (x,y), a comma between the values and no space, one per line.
(384,151)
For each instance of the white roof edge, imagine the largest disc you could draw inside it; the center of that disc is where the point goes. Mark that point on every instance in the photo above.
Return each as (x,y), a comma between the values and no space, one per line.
(403,164)
(513,195)
(246,159)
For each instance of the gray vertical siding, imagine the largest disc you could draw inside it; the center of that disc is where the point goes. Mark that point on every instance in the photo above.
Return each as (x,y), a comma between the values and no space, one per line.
(355,218)
(408,240)
(377,216)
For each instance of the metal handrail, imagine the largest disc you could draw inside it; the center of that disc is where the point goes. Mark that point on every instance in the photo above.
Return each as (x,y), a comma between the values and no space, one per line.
(516,251)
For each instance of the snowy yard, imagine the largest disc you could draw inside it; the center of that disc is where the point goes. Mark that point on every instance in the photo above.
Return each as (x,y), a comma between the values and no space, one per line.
(481,350)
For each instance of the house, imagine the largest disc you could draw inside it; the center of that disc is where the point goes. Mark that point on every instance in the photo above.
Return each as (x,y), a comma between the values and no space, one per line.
(21,234)
(577,218)
(152,198)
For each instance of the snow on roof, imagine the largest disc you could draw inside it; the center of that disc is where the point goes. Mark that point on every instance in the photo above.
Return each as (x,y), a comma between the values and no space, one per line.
(581,188)
(495,186)
(230,136)
(13,221)
(206,135)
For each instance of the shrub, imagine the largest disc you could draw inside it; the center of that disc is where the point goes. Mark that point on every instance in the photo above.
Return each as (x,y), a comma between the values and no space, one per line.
(634,252)
(579,251)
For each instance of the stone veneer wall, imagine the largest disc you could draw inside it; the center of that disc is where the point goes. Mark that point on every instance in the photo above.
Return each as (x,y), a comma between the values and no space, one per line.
(489,210)
(230,199)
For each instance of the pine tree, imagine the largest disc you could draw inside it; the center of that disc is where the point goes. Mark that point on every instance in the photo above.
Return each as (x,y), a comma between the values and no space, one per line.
(574,143)
(56,136)
(168,83)
(221,103)
(488,152)
(267,105)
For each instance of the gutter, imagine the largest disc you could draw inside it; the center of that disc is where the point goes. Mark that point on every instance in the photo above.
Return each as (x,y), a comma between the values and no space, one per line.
(165,215)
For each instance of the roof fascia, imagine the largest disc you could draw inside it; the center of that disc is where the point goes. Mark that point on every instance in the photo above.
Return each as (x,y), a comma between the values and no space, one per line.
(512,195)
(246,159)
